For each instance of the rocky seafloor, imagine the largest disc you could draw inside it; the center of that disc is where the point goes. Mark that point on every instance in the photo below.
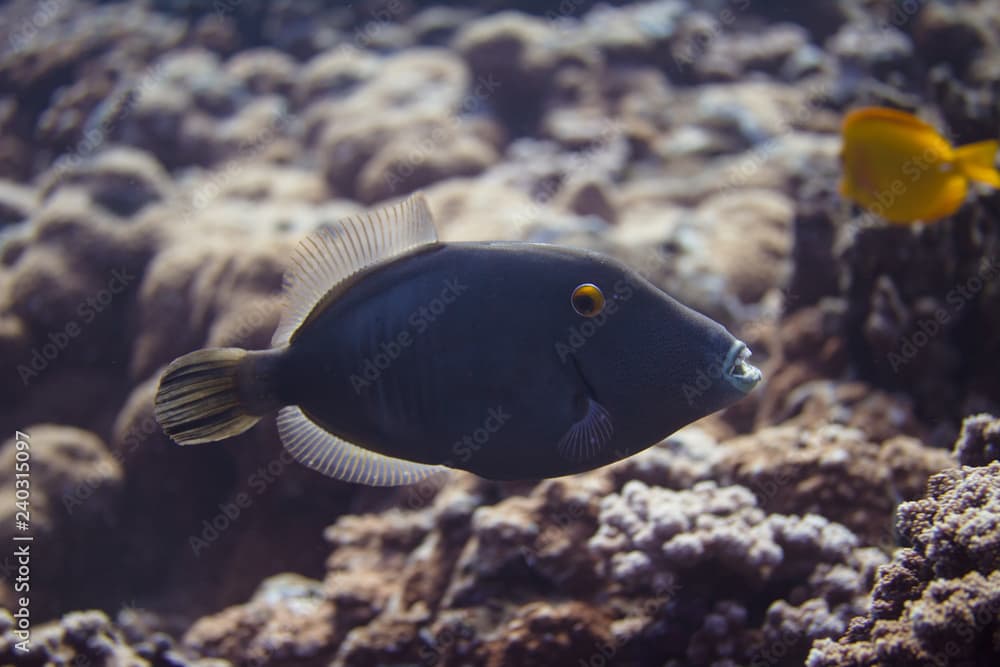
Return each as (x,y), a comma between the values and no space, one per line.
(159,160)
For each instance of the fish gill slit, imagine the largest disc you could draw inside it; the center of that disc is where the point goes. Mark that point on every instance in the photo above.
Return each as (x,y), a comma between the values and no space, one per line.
(583,378)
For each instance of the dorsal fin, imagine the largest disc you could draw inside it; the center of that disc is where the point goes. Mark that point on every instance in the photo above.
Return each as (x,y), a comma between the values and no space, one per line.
(335,252)
(335,457)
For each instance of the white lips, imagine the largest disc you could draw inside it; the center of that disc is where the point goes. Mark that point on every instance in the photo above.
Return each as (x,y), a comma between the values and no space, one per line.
(738,372)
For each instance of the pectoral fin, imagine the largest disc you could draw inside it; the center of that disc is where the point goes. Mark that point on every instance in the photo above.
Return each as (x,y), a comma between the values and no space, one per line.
(587,436)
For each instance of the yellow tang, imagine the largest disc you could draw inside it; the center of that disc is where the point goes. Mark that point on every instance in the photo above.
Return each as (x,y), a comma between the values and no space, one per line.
(901,168)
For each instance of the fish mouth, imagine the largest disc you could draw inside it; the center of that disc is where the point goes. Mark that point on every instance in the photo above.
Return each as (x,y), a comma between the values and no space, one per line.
(737,371)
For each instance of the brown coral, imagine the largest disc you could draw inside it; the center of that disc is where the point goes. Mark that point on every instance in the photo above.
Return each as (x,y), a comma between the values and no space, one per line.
(939,601)
(833,471)
(979,441)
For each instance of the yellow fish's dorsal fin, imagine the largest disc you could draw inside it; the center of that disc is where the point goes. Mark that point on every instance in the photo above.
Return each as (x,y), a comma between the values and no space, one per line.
(874,115)
(978,162)
(336,252)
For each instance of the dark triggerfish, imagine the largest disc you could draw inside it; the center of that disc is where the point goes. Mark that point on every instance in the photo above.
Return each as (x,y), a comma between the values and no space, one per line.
(400,355)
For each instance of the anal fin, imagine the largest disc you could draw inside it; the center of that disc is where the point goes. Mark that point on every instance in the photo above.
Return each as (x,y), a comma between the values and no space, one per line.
(313,446)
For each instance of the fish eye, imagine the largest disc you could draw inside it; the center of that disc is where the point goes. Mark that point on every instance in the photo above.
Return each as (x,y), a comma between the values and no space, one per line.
(587,299)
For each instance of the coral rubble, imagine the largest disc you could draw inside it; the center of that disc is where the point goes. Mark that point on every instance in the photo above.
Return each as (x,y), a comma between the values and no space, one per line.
(158,162)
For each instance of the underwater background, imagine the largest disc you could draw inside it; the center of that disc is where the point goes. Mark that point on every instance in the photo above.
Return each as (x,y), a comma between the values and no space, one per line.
(160,160)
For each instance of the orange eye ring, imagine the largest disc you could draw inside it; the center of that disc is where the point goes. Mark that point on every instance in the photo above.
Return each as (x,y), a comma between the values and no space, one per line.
(587,299)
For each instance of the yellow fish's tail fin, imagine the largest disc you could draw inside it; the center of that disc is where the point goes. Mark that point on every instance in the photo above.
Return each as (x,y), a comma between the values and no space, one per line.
(205,396)
(976,161)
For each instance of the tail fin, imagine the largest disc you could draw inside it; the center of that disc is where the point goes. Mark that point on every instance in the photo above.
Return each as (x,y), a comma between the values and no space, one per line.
(200,398)
(977,162)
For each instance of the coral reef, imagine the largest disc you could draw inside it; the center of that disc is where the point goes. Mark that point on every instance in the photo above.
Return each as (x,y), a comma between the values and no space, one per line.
(475,581)
(939,601)
(158,162)
(832,471)
(979,441)
(715,541)
(90,638)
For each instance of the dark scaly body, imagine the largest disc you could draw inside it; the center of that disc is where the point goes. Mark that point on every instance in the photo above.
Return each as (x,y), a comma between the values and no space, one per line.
(490,359)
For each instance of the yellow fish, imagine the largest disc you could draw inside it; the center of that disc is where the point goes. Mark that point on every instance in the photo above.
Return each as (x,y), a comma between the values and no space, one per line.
(899,167)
